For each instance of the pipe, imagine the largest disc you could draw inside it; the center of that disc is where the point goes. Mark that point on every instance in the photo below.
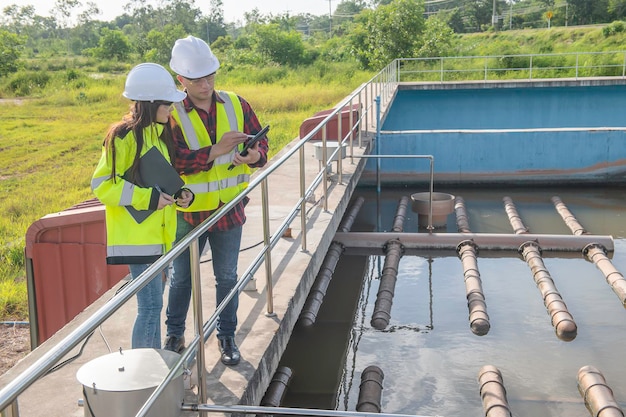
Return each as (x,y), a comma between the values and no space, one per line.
(596,393)
(374,242)
(568,217)
(318,291)
(348,219)
(276,390)
(314,301)
(478,317)
(562,320)
(398,221)
(384,297)
(493,393)
(370,390)
(462,222)
(514,218)
(596,253)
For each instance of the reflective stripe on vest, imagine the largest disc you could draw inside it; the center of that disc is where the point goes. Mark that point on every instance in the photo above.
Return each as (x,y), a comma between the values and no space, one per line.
(126,199)
(190,133)
(218,185)
(134,250)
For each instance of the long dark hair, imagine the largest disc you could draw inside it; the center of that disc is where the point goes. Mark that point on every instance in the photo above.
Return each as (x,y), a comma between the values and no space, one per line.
(142,114)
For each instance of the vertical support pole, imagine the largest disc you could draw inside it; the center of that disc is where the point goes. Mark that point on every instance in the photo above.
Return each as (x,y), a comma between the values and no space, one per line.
(377,142)
(194,258)
(302,197)
(268,253)
(441,69)
(325,172)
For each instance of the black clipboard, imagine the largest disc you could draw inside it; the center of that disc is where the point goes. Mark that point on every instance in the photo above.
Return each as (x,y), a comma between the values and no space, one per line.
(250,143)
(155,170)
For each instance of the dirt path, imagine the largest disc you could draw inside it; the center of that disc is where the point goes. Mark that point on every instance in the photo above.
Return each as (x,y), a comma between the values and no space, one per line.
(14,345)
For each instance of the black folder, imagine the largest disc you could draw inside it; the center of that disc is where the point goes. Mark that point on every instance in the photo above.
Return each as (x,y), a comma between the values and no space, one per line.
(155,170)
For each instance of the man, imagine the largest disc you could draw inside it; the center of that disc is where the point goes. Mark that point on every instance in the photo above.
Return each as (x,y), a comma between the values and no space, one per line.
(209,128)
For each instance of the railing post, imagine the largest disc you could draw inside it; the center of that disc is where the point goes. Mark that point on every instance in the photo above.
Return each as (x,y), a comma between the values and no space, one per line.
(577,65)
(339,144)
(441,69)
(360,141)
(302,197)
(531,67)
(325,172)
(486,60)
(269,286)
(194,258)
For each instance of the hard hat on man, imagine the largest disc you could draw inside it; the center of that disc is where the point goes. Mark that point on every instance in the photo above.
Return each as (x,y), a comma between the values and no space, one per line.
(192,58)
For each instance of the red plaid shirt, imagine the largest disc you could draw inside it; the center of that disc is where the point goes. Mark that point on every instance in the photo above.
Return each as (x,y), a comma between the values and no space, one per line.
(191,162)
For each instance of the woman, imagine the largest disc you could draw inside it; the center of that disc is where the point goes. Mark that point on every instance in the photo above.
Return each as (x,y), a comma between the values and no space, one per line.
(131,239)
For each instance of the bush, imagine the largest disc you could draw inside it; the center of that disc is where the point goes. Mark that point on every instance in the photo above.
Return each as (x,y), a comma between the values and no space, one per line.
(613,28)
(26,83)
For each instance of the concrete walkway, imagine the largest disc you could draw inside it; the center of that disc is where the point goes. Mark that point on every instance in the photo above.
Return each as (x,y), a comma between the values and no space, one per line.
(262,338)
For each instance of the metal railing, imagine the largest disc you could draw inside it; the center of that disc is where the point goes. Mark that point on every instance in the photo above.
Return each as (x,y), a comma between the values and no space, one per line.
(369,98)
(381,85)
(513,67)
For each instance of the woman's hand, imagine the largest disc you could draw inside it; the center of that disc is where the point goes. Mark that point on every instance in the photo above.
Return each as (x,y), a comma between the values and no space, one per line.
(164,201)
(185,199)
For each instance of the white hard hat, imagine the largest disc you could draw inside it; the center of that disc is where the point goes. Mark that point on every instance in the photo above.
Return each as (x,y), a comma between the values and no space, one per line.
(151,82)
(192,58)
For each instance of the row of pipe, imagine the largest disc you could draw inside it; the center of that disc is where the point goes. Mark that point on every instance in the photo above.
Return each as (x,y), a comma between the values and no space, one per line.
(393,253)
(595,253)
(467,251)
(314,300)
(592,386)
(562,321)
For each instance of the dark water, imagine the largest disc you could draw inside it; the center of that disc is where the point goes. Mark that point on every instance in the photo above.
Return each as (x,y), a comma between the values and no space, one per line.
(428,354)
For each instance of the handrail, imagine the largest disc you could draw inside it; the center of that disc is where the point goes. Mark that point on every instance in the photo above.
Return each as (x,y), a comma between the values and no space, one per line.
(514,67)
(49,359)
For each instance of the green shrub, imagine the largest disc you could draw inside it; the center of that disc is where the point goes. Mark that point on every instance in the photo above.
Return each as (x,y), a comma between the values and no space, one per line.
(25,83)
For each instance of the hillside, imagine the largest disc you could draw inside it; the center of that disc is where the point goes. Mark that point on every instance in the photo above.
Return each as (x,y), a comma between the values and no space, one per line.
(610,37)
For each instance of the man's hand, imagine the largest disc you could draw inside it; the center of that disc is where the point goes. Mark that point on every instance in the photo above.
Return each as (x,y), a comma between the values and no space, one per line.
(252,157)
(229,141)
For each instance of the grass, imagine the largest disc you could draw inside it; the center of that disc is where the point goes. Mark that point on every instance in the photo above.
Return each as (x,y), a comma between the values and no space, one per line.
(51,141)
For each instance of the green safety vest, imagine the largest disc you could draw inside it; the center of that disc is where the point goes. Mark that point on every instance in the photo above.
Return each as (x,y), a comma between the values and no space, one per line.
(127,240)
(218,184)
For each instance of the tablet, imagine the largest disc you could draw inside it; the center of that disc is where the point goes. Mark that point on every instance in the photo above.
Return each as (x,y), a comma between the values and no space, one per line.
(254,140)
(251,143)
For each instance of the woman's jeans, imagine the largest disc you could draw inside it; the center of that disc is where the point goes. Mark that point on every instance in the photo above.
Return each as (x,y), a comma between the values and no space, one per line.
(147,329)
(225,254)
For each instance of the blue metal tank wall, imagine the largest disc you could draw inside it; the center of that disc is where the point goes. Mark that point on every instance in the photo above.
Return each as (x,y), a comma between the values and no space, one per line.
(508,108)
(505,135)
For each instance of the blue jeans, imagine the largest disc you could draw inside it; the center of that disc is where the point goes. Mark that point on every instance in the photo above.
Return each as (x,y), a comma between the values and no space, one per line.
(225,254)
(147,328)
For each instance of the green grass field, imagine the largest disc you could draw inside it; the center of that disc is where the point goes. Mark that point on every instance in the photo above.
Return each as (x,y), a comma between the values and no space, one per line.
(50,143)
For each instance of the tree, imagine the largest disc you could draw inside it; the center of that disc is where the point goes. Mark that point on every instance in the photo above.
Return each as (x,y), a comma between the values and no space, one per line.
(159,43)
(19,17)
(113,44)
(281,47)
(389,32)
(10,49)
(437,38)
(617,8)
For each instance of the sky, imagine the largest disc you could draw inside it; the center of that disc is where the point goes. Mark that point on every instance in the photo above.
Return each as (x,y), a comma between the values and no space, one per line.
(233,9)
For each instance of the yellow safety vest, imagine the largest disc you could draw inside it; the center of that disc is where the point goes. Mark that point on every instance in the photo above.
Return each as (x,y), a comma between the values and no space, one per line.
(218,184)
(127,240)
